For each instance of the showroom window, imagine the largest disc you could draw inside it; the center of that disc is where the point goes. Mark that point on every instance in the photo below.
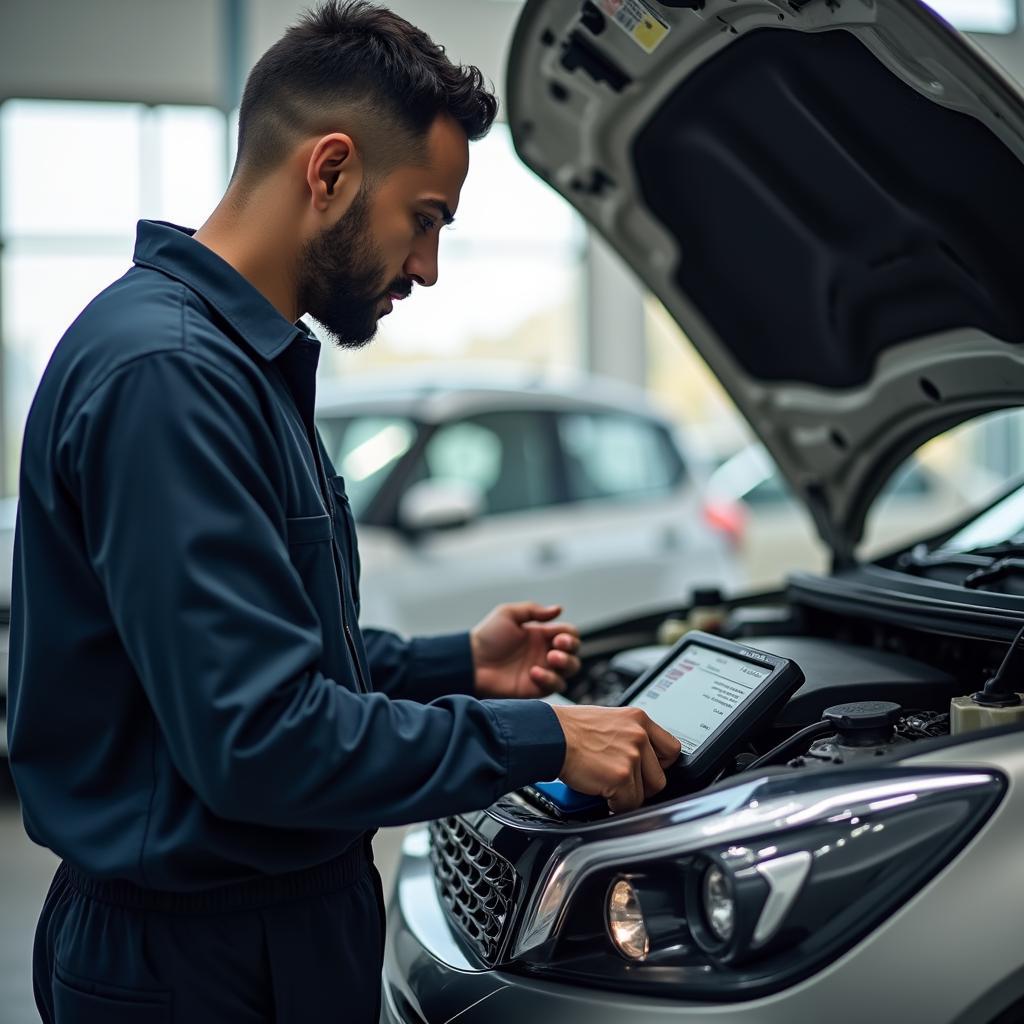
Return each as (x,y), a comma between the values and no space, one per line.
(998,16)
(511,267)
(74,179)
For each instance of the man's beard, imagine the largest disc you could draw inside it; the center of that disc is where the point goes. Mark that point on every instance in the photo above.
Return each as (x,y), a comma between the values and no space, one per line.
(341,277)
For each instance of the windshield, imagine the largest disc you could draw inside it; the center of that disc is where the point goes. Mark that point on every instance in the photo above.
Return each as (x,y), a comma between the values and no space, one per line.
(1003,523)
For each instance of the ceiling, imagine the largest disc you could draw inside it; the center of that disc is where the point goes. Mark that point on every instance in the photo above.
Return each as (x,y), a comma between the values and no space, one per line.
(152,51)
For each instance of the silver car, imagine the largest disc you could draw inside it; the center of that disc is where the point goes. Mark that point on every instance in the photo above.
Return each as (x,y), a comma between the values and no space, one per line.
(472,486)
(826,195)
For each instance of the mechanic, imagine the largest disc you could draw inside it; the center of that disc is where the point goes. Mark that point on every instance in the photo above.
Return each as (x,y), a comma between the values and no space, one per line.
(198,726)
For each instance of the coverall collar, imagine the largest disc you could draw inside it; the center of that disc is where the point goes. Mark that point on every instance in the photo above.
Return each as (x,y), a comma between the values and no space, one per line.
(172,250)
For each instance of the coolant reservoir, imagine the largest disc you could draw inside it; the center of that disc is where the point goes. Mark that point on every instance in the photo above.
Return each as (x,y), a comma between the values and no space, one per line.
(967,715)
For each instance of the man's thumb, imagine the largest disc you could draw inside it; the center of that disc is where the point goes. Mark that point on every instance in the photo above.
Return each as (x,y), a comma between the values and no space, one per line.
(527,611)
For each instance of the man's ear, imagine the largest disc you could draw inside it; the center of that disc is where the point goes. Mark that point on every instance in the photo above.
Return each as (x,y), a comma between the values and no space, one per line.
(334,173)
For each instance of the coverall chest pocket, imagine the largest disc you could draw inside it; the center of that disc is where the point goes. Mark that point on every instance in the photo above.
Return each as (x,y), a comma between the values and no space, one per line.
(308,530)
(346,530)
(311,542)
(309,548)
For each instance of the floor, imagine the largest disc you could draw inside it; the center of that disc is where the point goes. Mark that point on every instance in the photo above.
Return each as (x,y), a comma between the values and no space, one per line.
(25,872)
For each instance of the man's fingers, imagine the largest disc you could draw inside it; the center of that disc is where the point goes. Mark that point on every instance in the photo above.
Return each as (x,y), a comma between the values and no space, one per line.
(636,789)
(653,775)
(666,746)
(565,664)
(567,642)
(630,795)
(549,681)
(561,634)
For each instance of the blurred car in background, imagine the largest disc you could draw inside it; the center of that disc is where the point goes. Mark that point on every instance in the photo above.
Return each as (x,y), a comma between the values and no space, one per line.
(777,532)
(468,493)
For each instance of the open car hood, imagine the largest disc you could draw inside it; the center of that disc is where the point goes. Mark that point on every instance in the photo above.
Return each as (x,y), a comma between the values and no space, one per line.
(827,195)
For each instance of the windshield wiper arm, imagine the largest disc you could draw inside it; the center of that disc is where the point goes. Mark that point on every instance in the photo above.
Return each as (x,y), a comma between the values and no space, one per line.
(994,573)
(923,559)
(1004,549)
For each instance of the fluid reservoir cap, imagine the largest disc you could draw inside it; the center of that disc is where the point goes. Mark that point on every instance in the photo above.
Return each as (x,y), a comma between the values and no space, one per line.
(864,722)
(706,597)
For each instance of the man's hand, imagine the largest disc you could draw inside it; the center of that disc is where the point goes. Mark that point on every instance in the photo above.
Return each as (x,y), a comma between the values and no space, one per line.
(617,753)
(519,652)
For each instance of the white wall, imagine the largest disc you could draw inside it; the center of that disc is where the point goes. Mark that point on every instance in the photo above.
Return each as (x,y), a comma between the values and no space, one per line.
(174,51)
(149,51)
(472,31)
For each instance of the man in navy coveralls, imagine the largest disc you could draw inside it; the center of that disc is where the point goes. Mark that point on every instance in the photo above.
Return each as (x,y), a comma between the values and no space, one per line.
(198,726)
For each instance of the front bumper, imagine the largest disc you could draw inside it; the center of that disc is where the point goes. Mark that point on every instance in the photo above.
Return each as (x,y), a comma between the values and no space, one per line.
(966,916)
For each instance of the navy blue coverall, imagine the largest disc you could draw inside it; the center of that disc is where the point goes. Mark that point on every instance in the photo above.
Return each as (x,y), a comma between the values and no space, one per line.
(197,725)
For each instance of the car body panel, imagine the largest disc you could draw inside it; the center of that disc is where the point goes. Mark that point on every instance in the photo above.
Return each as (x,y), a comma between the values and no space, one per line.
(823,195)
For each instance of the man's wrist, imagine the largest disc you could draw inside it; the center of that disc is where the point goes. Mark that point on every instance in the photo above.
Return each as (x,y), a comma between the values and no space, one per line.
(535,740)
(443,665)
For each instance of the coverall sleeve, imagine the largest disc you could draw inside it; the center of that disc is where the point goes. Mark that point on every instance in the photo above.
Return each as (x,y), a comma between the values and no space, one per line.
(423,668)
(179,482)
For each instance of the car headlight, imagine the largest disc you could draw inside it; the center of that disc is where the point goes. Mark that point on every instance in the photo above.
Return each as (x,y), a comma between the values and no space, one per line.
(626,924)
(745,902)
(718,902)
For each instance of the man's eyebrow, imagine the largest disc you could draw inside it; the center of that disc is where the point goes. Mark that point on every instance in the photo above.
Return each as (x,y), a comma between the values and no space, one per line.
(442,208)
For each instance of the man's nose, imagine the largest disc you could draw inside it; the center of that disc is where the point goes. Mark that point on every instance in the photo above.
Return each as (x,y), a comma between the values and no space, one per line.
(421,267)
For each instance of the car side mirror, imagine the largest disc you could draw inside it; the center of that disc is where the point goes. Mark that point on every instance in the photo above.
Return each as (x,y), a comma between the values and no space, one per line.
(439,505)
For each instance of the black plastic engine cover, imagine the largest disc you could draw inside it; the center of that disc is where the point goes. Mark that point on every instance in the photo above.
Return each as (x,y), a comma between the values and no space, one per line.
(838,673)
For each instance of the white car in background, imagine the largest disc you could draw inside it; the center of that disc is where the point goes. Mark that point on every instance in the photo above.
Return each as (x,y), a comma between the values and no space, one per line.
(468,493)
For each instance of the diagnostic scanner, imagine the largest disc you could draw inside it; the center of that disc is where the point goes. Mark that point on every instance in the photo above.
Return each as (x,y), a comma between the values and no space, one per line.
(710,693)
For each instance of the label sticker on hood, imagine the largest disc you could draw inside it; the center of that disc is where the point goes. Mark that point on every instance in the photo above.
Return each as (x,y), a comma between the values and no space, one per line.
(635,18)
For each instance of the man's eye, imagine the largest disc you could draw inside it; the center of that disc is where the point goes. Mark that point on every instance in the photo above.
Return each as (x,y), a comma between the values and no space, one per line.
(425,223)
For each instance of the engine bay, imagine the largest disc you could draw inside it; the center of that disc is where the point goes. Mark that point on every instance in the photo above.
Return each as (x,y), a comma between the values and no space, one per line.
(815,759)
(868,691)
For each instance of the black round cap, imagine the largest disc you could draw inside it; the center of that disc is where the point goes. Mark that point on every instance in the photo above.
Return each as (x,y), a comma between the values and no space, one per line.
(706,597)
(863,715)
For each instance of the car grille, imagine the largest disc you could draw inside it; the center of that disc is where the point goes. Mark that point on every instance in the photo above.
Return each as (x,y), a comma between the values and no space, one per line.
(475,884)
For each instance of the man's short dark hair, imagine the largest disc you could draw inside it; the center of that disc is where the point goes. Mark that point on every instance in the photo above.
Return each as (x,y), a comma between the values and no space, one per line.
(354,66)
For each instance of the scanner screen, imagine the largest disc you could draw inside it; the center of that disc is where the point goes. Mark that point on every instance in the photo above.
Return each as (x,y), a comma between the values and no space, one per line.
(697,692)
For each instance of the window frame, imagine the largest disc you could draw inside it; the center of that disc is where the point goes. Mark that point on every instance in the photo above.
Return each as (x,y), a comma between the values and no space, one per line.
(89,243)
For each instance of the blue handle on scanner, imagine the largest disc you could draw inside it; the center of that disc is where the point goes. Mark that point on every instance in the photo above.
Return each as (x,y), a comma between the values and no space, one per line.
(567,800)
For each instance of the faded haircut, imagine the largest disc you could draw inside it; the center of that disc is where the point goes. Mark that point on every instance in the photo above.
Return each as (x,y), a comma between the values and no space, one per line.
(356,67)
